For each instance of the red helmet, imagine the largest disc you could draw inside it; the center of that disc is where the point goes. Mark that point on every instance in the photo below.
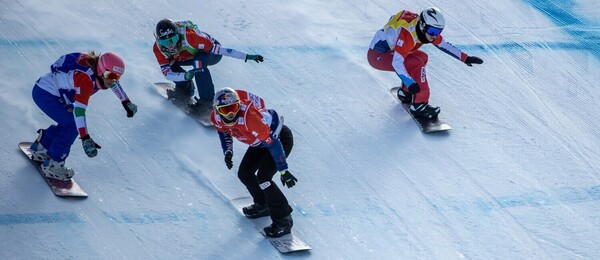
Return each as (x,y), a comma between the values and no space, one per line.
(110,66)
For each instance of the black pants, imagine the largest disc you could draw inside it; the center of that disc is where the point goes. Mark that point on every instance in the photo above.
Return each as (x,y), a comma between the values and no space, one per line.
(204,83)
(258,167)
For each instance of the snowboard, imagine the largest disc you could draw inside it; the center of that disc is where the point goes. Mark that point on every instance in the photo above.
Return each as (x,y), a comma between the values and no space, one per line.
(162,87)
(285,244)
(60,188)
(427,125)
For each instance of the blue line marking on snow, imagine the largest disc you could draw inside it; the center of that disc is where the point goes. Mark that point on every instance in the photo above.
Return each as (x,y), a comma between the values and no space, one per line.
(120,217)
(585,34)
(524,46)
(155,217)
(45,42)
(594,192)
(40,218)
(561,13)
(558,11)
(17,43)
(532,200)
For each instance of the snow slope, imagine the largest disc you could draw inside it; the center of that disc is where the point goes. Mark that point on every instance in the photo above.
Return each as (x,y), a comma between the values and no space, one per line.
(517,178)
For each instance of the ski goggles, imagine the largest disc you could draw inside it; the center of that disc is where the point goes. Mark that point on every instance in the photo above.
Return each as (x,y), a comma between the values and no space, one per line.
(433,31)
(111,75)
(229,109)
(168,42)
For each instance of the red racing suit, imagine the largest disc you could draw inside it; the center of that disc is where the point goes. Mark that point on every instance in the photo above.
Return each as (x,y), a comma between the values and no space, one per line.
(255,126)
(193,41)
(396,48)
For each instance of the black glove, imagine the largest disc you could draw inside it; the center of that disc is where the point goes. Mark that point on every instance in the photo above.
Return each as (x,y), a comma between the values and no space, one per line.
(89,146)
(130,107)
(473,60)
(229,159)
(414,88)
(257,58)
(287,179)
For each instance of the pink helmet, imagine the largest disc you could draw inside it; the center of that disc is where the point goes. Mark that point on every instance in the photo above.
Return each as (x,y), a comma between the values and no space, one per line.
(110,63)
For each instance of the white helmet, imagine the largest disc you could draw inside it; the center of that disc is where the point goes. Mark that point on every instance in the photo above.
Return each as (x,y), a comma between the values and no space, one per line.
(431,21)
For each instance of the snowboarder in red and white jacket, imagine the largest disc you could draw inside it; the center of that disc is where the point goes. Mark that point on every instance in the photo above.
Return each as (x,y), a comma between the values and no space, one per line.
(242,115)
(396,48)
(181,43)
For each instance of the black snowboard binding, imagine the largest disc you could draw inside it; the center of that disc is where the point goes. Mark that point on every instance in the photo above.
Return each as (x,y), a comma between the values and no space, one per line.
(256,211)
(424,110)
(280,227)
(404,97)
(182,91)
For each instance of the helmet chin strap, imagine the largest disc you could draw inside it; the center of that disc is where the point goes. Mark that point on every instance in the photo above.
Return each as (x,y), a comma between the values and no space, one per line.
(172,51)
(100,81)
(232,121)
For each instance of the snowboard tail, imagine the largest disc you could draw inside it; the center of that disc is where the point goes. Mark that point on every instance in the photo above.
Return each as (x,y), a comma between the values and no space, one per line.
(162,87)
(427,125)
(60,188)
(284,244)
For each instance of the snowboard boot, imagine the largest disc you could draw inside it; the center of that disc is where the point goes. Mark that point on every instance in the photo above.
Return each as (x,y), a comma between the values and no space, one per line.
(404,97)
(256,211)
(201,107)
(181,92)
(280,227)
(424,110)
(39,153)
(56,170)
